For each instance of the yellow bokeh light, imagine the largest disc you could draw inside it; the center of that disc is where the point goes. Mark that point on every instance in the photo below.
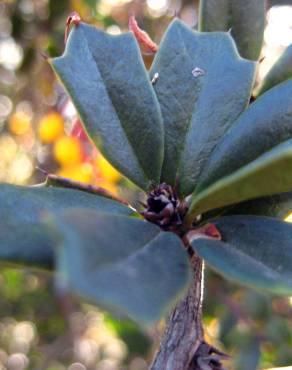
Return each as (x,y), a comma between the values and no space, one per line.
(19,123)
(107,171)
(67,151)
(51,127)
(8,149)
(107,185)
(289,218)
(81,172)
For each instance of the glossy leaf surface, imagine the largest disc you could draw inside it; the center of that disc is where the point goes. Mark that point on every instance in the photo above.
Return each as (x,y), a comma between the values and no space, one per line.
(266,123)
(267,175)
(279,206)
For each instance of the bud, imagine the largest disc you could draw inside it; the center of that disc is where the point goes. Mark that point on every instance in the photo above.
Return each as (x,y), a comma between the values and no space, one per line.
(164,208)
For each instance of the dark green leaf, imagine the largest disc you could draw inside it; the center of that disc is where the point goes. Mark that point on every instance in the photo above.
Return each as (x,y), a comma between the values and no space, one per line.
(214,15)
(267,175)
(279,206)
(25,243)
(280,71)
(247,26)
(123,264)
(254,251)
(245,18)
(108,83)
(265,124)
(203,86)
(23,238)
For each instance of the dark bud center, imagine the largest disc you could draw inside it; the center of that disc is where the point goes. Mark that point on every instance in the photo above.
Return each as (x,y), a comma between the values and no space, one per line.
(164,208)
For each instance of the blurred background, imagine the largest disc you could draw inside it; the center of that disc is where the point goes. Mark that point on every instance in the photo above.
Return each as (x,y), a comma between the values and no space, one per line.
(39,128)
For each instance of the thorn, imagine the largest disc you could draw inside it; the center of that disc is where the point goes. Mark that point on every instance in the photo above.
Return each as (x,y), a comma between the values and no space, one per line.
(74,18)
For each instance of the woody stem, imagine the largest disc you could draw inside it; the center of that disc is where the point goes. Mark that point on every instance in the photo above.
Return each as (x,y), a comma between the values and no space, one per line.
(184,333)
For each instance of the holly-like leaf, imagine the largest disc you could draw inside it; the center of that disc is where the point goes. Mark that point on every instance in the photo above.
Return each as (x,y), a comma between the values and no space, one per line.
(24,239)
(203,86)
(245,19)
(267,175)
(123,264)
(279,72)
(267,123)
(254,251)
(109,85)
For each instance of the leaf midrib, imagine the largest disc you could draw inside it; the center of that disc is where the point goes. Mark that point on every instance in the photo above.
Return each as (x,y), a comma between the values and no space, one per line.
(114,109)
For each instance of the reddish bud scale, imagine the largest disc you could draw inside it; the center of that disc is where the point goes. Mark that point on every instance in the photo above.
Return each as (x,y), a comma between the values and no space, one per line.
(74,18)
(144,40)
(212,231)
(208,231)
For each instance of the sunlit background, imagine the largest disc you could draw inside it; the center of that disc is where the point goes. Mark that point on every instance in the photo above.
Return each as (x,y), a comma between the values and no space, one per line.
(39,129)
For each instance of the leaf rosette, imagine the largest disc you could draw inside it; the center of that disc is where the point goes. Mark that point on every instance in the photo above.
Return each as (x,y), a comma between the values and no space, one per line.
(185,133)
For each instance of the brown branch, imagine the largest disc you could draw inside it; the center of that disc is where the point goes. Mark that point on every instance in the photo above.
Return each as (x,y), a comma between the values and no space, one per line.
(63,182)
(184,334)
